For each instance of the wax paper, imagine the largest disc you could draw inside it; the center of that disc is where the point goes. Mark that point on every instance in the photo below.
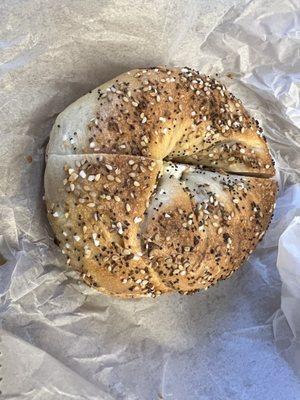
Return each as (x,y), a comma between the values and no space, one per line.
(62,340)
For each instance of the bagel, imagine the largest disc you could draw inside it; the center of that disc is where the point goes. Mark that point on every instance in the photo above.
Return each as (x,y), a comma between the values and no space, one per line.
(158,181)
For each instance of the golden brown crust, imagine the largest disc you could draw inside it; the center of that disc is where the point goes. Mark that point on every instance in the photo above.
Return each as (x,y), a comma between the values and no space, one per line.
(165,113)
(205,229)
(96,204)
(134,225)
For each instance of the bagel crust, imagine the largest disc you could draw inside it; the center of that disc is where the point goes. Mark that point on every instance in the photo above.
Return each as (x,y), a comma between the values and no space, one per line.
(158,181)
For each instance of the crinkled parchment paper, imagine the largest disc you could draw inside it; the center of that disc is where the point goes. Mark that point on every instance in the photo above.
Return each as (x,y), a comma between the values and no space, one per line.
(60,339)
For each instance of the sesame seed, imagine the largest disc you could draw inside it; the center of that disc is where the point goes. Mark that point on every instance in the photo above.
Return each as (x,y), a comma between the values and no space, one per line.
(128,208)
(73,177)
(130,162)
(92,145)
(144,120)
(82,174)
(236,201)
(162,119)
(136,183)
(91,178)
(117,198)
(97,177)
(77,238)
(72,187)
(91,205)
(110,178)
(170,98)
(137,220)
(109,167)
(243,151)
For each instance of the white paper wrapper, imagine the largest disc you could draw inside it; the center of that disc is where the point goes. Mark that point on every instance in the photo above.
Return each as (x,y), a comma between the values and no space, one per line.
(287,320)
(62,340)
